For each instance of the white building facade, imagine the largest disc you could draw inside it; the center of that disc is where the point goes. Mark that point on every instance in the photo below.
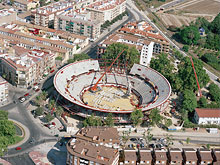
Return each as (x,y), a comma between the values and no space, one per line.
(207,116)
(3,91)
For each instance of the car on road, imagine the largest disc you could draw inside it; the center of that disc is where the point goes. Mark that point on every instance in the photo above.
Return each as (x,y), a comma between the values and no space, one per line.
(29,87)
(37,90)
(27,94)
(18,148)
(22,99)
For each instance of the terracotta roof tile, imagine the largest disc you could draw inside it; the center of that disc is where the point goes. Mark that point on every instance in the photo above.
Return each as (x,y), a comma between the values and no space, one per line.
(207,112)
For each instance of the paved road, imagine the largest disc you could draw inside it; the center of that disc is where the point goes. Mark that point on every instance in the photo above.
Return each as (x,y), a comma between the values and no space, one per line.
(212,76)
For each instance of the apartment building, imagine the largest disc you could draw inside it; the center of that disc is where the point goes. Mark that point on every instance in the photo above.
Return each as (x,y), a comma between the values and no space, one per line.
(91,146)
(26,67)
(81,3)
(37,37)
(106,10)
(78,21)
(3,91)
(144,29)
(207,116)
(106,136)
(26,5)
(45,16)
(189,156)
(160,157)
(216,155)
(144,46)
(204,156)
(175,156)
(7,16)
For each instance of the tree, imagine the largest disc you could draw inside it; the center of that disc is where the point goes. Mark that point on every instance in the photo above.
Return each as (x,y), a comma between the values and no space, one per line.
(155,117)
(169,140)
(208,146)
(189,35)
(109,121)
(168,122)
(3,115)
(7,128)
(215,25)
(79,57)
(136,116)
(186,74)
(92,121)
(125,137)
(214,91)
(52,104)
(3,144)
(148,138)
(49,117)
(59,111)
(189,100)
(188,140)
(39,101)
(202,103)
(39,111)
(130,54)
(163,65)
(185,48)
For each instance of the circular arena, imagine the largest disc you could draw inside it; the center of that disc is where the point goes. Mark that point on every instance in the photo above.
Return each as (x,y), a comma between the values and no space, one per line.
(116,93)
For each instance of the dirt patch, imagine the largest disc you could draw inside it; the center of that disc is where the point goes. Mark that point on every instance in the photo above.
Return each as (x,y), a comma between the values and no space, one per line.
(211,7)
(175,20)
(189,11)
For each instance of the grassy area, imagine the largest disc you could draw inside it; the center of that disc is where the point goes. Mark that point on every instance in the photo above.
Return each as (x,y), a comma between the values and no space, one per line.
(18,139)
(155,3)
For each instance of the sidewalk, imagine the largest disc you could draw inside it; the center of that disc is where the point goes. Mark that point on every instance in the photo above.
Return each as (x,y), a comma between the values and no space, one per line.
(200,135)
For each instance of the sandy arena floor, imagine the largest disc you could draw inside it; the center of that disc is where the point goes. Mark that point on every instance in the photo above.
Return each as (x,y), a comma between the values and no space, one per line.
(110,98)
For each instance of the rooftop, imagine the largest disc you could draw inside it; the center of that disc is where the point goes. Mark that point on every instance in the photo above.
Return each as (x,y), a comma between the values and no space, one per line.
(53,8)
(2,80)
(79,16)
(24,58)
(105,5)
(90,151)
(6,12)
(208,112)
(99,133)
(143,29)
(160,154)
(128,39)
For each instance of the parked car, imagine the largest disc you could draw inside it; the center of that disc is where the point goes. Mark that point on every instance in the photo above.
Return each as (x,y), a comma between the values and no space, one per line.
(142,145)
(134,139)
(152,145)
(130,146)
(29,87)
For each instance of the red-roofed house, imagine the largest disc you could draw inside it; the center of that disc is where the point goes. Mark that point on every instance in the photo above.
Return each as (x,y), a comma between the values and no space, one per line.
(207,116)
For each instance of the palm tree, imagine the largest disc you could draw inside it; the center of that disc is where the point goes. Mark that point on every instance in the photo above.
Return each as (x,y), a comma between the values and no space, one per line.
(59,111)
(148,138)
(43,96)
(169,140)
(39,101)
(125,137)
(52,104)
